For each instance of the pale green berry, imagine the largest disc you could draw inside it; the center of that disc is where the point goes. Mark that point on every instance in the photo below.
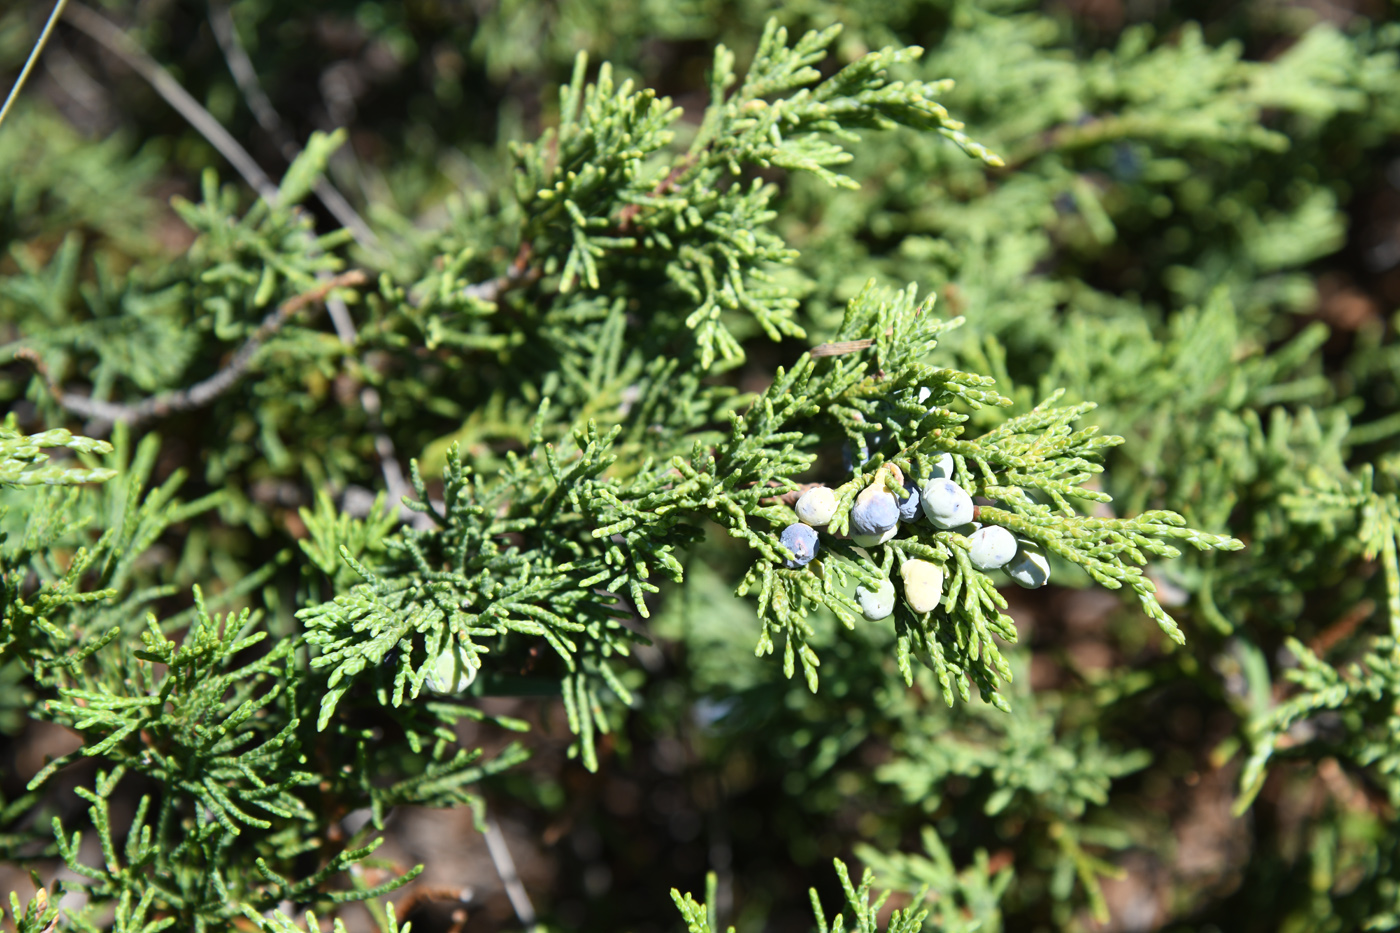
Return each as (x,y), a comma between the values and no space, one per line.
(452,672)
(992,547)
(873,540)
(942,467)
(1030,569)
(816,506)
(877,605)
(923,585)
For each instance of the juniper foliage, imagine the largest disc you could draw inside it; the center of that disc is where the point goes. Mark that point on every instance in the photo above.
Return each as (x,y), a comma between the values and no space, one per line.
(700,918)
(611,361)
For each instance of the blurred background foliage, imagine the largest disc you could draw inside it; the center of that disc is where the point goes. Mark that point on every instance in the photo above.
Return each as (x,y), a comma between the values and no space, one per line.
(1198,226)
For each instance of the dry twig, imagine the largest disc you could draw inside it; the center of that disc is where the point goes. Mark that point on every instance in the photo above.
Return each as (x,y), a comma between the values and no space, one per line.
(837,349)
(505,867)
(519,273)
(418,895)
(246,77)
(34,54)
(101,30)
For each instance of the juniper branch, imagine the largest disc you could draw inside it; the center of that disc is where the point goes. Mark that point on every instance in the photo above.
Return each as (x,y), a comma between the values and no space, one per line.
(245,76)
(519,273)
(205,391)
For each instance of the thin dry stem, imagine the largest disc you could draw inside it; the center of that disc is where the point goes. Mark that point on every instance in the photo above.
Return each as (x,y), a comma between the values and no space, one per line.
(101,30)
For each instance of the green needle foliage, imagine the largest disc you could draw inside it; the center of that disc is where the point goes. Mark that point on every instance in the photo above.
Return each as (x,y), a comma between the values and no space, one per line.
(678,221)
(24,462)
(303,522)
(964,900)
(701,919)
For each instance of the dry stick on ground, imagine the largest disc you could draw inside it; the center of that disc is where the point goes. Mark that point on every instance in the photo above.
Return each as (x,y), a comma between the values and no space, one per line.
(1328,638)
(72,78)
(418,895)
(505,867)
(201,393)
